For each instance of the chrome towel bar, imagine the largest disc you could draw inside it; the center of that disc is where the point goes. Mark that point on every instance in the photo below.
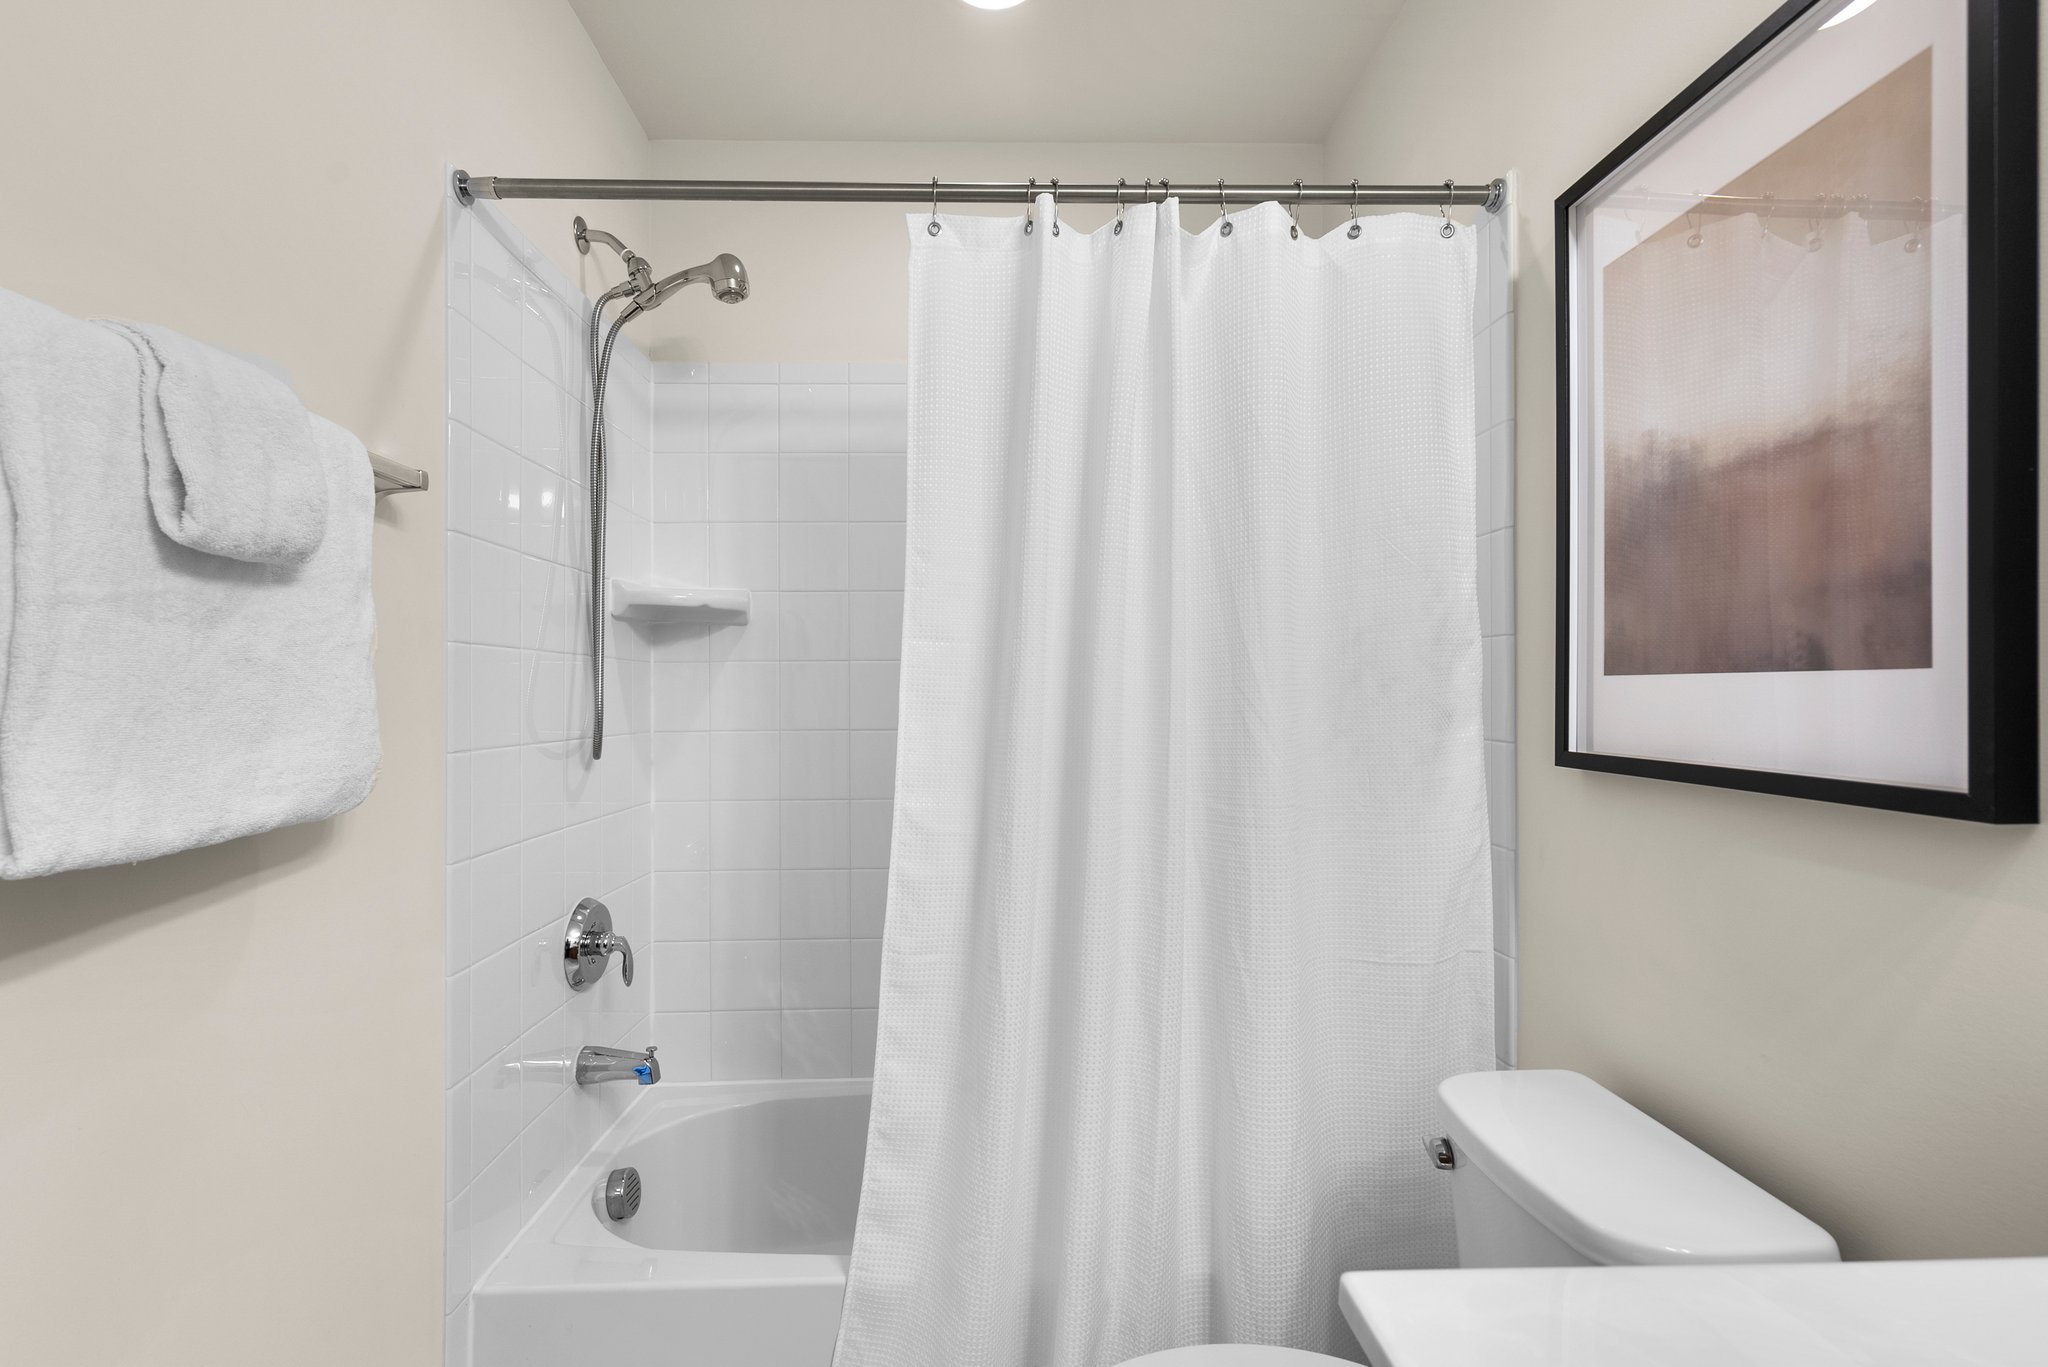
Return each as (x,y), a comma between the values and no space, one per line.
(393,478)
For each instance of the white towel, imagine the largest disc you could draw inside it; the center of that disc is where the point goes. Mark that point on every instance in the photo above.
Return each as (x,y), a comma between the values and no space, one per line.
(232,469)
(152,697)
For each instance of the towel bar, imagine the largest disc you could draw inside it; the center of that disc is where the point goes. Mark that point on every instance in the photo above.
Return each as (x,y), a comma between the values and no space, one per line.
(393,478)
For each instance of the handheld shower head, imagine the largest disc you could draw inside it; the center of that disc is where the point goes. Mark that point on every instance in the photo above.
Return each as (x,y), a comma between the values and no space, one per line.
(728,278)
(724,273)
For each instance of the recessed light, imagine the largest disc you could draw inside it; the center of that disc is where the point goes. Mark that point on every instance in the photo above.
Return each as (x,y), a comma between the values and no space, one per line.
(1849,11)
(994,4)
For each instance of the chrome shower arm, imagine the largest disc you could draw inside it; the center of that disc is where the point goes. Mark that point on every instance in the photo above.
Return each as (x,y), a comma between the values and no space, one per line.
(639,274)
(585,234)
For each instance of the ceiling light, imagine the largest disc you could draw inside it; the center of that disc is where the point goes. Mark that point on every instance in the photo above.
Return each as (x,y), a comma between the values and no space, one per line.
(1849,11)
(994,4)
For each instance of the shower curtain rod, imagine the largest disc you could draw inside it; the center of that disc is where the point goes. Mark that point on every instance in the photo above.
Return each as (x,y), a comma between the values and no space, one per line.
(1490,196)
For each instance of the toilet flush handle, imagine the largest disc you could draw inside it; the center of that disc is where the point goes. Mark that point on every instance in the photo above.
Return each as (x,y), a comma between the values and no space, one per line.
(1440,1152)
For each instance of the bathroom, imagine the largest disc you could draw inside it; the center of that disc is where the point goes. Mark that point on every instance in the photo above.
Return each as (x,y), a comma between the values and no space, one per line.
(1055,681)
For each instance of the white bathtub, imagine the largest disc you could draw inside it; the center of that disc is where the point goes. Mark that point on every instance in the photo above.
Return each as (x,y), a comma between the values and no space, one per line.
(737,1257)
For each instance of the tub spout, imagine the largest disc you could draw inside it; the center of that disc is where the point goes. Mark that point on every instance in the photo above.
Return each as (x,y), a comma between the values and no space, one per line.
(594,1064)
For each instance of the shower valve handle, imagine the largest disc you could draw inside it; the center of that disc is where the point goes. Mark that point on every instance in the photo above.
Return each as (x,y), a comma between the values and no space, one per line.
(589,944)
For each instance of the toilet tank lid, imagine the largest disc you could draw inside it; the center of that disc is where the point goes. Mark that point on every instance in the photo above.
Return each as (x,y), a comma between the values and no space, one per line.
(1612,1182)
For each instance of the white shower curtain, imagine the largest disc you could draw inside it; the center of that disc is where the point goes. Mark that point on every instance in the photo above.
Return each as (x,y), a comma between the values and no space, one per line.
(1189,902)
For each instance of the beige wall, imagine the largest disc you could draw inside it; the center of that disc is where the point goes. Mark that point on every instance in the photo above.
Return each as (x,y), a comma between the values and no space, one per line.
(830,281)
(1849,1006)
(221,1135)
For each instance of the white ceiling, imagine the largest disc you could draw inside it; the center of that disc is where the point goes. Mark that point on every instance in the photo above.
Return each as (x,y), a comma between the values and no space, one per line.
(943,71)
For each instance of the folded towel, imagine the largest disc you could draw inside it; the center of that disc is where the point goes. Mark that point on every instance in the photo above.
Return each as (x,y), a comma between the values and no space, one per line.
(233,471)
(152,697)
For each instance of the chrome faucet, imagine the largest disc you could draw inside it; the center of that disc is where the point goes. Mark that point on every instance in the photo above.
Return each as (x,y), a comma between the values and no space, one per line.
(594,1064)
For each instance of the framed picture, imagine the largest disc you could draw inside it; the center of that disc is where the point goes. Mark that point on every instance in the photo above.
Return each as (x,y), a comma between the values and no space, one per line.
(1797,341)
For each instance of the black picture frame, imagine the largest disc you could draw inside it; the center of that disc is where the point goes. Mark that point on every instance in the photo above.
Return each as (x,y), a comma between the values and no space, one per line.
(2003,569)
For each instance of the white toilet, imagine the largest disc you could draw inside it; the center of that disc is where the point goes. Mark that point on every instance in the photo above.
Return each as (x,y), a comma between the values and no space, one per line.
(1550,1169)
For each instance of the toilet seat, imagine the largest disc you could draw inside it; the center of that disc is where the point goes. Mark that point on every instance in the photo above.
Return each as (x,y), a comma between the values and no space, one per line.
(1233,1355)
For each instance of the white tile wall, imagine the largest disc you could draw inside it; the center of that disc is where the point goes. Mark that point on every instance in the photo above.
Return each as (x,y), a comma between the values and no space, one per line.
(1493,355)
(533,824)
(774,756)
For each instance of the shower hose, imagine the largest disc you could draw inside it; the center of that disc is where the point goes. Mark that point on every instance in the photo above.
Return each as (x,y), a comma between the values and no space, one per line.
(600,367)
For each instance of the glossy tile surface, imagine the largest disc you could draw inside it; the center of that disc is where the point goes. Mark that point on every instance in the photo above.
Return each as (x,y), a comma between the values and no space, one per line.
(774,756)
(532,824)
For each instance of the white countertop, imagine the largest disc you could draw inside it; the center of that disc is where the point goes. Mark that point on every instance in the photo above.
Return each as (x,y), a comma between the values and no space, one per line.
(1990,1312)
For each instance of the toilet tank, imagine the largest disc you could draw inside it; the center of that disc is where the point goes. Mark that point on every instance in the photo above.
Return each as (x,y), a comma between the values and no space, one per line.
(1550,1169)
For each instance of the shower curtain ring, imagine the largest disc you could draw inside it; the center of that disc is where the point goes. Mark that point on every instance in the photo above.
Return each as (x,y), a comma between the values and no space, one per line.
(1223,204)
(1450,229)
(1294,230)
(1030,197)
(933,226)
(1118,229)
(1353,231)
(1055,206)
